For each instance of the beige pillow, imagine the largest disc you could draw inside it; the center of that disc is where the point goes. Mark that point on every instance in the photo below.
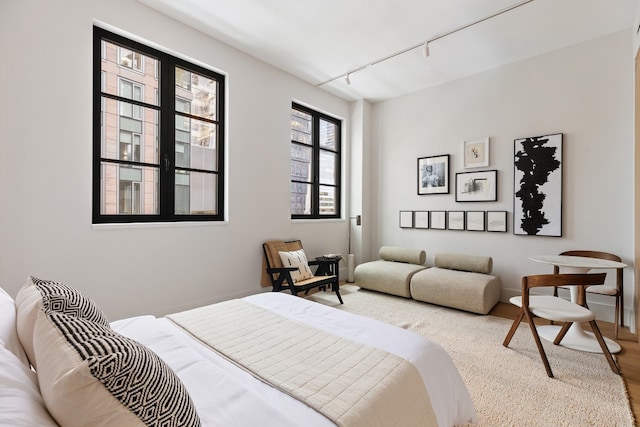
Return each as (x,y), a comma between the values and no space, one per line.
(90,375)
(38,294)
(299,260)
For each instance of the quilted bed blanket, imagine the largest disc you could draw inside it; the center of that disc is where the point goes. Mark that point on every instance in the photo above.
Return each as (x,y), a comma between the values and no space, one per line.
(350,383)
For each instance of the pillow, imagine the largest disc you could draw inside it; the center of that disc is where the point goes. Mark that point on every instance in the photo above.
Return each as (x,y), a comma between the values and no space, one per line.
(21,404)
(398,254)
(296,259)
(8,328)
(463,262)
(37,294)
(90,375)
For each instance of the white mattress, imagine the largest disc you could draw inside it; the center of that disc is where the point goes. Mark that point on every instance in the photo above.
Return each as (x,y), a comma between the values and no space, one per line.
(225,395)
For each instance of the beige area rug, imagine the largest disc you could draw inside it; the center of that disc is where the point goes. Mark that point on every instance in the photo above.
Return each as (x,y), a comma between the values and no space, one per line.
(509,386)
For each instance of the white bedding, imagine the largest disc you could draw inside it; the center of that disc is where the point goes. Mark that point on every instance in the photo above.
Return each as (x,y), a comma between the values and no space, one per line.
(226,395)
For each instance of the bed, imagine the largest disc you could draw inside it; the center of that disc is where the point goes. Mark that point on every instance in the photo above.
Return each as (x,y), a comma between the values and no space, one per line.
(196,385)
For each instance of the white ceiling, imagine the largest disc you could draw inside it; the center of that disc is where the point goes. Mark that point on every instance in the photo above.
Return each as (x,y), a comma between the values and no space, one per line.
(324,39)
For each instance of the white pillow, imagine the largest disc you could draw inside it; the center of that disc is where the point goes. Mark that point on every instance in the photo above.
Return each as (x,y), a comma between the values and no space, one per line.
(90,375)
(37,295)
(299,260)
(8,329)
(21,404)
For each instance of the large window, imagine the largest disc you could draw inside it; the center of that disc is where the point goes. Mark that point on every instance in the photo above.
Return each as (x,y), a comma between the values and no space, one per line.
(158,135)
(315,164)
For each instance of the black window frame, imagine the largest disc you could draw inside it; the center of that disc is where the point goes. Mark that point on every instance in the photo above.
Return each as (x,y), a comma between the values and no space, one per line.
(315,173)
(166,112)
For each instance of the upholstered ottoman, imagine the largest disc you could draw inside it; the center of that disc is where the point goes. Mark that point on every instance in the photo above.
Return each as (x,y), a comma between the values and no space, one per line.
(458,281)
(392,272)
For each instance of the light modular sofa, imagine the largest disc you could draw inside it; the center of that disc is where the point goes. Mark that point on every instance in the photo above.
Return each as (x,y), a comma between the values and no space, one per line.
(392,273)
(456,280)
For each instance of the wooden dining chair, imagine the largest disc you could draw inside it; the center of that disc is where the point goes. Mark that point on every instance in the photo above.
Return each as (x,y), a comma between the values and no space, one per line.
(617,292)
(557,309)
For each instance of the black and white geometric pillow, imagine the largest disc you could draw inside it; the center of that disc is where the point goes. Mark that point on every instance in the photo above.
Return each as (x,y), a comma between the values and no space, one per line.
(131,373)
(67,300)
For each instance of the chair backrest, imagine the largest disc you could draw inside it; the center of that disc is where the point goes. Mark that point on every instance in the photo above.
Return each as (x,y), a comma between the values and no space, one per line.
(593,254)
(581,280)
(596,254)
(272,259)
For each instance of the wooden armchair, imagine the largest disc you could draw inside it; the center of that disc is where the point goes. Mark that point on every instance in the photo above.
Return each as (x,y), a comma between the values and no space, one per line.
(296,276)
(617,292)
(557,309)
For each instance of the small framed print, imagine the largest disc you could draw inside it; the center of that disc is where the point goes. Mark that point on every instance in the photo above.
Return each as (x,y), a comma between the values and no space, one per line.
(497,221)
(455,220)
(433,175)
(475,220)
(476,153)
(421,219)
(438,220)
(406,219)
(478,186)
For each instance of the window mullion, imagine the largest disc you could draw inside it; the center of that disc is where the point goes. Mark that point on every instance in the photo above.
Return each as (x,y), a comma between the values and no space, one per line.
(316,166)
(167,140)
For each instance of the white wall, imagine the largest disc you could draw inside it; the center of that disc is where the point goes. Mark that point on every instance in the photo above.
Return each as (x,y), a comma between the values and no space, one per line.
(45,166)
(585,92)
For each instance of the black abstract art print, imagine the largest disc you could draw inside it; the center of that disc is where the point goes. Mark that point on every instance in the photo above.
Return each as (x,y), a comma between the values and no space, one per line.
(537,202)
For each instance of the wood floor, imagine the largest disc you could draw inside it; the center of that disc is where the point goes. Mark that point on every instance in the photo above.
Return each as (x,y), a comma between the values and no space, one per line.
(628,358)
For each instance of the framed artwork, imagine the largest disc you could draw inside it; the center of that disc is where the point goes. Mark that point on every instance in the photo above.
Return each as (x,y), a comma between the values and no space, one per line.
(497,221)
(455,220)
(481,186)
(438,220)
(537,198)
(476,153)
(406,219)
(433,175)
(421,219)
(475,220)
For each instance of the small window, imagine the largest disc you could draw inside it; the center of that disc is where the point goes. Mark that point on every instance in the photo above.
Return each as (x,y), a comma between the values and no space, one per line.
(315,164)
(158,129)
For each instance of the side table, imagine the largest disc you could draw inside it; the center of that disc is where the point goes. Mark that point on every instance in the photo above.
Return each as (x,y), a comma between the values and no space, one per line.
(328,266)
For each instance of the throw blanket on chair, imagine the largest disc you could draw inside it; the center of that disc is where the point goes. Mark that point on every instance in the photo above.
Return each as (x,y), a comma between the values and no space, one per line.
(349,383)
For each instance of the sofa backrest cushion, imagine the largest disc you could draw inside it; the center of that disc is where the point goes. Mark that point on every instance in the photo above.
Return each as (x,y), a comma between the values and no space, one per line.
(462,262)
(397,254)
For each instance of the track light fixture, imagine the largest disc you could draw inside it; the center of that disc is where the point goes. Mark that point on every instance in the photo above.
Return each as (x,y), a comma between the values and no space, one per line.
(424,45)
(425,50)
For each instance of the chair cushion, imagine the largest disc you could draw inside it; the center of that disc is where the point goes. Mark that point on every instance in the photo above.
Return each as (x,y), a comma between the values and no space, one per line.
(556,309)
(89,375)
(299,260)
(602,290)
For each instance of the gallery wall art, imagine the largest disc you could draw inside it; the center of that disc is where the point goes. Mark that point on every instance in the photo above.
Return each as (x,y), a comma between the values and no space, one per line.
(477,186)
(433,175)
(537,200)
(476,153)
(455,220)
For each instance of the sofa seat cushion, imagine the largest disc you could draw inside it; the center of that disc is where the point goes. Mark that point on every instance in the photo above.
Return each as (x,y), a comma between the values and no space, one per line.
(469,291)
(387,276)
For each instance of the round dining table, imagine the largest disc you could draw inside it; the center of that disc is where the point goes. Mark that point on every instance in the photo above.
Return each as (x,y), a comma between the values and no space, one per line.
(577,338)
